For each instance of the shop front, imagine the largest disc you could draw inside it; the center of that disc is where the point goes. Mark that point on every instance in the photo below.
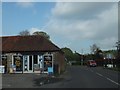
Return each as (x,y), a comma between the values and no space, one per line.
(28,63)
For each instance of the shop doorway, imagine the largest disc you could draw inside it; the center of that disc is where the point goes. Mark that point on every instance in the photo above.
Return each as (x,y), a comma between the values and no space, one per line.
(30,63)
(27,63)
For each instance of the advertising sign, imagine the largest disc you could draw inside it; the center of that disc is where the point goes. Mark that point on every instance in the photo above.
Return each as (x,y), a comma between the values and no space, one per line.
(47,62)
(2,69)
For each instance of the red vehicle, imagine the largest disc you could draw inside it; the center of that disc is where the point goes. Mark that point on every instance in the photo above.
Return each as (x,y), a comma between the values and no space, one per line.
(91,63)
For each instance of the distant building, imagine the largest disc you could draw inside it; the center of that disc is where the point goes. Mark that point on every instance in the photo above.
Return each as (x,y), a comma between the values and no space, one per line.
(26,54)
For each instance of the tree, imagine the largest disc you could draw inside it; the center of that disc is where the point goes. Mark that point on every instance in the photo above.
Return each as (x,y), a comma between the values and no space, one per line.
(44,34)
(24,33)
(77,56)
(94,48)
(68,53)
(99,54)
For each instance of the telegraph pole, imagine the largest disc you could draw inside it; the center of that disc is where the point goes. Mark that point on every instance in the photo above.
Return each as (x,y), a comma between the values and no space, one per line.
(82,58)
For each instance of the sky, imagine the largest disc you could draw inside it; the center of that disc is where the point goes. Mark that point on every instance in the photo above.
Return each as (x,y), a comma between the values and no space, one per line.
(76,25)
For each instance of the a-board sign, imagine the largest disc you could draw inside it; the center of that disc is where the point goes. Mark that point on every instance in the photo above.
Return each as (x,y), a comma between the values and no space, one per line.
(50,69)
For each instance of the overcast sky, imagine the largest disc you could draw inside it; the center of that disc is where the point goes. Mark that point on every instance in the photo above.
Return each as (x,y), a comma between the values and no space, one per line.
(76,25)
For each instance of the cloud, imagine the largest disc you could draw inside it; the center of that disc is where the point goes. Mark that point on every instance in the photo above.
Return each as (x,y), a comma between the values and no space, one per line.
(82,10)
(93,22)
(32,30)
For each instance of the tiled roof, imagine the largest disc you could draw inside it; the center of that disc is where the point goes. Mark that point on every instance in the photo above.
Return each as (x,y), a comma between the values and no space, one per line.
(27,44)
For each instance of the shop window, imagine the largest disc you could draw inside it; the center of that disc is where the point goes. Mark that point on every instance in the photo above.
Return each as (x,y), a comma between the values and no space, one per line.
(47,62)
(18,62)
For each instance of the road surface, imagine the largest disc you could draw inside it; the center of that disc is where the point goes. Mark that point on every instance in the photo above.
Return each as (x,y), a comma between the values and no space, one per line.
(88,77)
(74,77)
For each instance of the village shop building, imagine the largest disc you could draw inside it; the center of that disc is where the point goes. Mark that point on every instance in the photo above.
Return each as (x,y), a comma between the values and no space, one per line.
(27,54)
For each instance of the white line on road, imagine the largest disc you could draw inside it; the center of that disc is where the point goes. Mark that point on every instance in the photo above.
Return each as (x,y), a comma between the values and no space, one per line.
(108,78)
(113,81)
(99,74)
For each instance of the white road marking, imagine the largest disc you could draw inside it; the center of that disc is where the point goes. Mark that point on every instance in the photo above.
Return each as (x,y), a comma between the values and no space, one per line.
(113,81)
(108,78)
(99,74)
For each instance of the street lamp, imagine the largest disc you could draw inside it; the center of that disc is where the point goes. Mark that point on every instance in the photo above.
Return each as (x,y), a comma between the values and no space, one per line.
(118,45)
(118,52)
(82,58)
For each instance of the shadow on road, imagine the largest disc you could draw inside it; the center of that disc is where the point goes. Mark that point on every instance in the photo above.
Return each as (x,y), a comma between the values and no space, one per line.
(46,80)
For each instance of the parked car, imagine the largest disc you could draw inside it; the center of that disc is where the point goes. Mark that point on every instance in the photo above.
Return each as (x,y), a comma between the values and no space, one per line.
(91,63)
(108,66)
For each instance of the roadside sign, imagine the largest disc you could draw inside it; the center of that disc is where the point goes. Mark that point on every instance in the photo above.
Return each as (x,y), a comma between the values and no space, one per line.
(50,69)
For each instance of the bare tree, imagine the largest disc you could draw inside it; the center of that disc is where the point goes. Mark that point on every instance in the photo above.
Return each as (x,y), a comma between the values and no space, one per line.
(24,33)
(94,48)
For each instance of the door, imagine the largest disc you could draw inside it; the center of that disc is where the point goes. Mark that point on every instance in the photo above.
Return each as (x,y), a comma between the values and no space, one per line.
(25,63)
(28,63)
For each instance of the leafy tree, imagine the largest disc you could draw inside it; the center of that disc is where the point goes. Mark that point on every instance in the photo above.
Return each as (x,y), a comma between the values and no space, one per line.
(68,53)
(70,56)
(77,56)
(89,57)
(44,34)
(24,33)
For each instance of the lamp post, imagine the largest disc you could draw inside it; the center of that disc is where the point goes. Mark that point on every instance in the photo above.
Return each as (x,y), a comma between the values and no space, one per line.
(118,53)
(82,58)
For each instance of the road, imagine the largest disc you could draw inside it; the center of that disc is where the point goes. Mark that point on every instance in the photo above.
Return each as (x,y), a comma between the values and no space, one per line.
(74,77)
(88,77)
